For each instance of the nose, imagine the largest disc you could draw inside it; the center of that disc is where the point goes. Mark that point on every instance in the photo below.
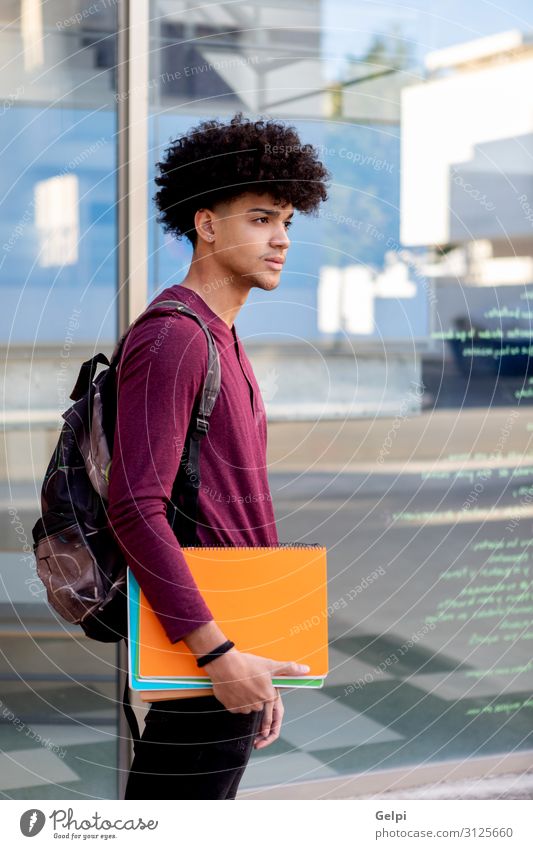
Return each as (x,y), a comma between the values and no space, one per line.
(280,238)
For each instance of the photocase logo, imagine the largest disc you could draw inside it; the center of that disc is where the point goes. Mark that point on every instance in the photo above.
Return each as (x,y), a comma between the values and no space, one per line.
(32,822)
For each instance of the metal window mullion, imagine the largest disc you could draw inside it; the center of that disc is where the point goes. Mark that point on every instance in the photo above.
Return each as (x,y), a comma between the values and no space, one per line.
(133,46)
(132,189)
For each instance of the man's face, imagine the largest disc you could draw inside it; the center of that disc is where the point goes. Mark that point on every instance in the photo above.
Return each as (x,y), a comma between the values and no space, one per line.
(251,239)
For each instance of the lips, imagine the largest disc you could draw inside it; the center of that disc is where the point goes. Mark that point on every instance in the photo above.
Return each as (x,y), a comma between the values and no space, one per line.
(276,261)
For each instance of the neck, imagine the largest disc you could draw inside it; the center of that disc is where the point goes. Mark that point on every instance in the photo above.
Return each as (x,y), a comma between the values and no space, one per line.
(217,287)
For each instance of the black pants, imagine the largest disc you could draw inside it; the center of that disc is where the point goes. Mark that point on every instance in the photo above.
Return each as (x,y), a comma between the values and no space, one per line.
(192,748)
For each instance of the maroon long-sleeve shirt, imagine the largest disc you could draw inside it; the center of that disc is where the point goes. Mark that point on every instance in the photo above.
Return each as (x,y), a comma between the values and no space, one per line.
(160,378)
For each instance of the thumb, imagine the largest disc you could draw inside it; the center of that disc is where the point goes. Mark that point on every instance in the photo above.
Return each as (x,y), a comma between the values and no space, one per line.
(289,668)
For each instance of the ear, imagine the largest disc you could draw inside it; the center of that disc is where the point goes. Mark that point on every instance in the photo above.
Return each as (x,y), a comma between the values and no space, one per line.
(203,222)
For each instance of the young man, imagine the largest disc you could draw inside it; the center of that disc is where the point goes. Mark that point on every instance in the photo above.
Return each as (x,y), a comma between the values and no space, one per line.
(232,190)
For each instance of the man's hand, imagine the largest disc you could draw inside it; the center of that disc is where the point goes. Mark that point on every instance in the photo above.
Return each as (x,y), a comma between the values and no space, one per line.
(271,724)
(243,682)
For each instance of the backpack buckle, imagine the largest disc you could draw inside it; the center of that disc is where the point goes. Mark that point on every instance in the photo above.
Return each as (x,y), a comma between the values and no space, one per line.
(202,425)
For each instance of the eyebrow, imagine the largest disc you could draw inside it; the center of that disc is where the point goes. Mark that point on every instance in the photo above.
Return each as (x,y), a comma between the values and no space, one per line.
(268,211)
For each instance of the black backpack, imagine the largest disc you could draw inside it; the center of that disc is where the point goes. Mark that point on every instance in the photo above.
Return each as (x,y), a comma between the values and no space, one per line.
(78,558)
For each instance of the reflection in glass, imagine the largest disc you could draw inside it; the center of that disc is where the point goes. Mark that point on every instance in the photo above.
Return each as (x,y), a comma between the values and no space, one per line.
(395,355)
(58,727)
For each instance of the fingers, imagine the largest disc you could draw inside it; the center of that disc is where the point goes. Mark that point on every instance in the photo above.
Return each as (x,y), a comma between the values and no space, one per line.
(290,668)
(278,709)
(266,722)
(241,702)
(247,708)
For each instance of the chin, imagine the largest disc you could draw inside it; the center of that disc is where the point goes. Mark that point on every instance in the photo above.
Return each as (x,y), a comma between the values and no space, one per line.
(268,287)
(263,282)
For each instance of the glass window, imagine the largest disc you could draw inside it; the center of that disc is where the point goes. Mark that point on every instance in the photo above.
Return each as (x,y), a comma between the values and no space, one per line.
(58,710)
(393,357)
(394,361)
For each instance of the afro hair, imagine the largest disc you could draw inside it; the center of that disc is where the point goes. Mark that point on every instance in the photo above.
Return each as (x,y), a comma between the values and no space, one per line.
(216,162)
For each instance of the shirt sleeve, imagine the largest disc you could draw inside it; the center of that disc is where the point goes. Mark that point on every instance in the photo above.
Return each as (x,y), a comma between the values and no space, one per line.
(160,376)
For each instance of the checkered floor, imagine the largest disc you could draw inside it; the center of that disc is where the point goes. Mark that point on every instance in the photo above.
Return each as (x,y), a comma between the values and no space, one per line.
(425,708)
(54,760)
(403,717)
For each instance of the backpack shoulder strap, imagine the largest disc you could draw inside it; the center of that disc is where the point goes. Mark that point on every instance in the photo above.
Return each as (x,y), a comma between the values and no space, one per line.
(182,511)
(211,386)
(86,375)
(212,380)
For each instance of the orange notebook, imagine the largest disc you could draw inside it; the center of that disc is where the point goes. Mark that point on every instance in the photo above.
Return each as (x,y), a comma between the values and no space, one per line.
(271,601)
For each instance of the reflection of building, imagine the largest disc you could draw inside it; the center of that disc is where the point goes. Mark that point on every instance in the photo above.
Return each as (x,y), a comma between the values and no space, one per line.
(467,184)
(244,53)
(467,147)
(346,296)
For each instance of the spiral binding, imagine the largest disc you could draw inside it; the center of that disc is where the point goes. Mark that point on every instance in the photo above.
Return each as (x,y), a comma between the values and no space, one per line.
(218,545)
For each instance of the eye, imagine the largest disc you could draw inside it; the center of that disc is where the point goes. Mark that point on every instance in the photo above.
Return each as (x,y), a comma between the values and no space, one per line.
(262,218)
(288,224)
